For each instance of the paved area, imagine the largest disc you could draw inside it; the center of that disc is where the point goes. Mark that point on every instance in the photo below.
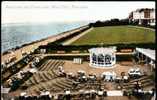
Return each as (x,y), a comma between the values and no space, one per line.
(119,98)
(76,37)
(69,66)
(77,54)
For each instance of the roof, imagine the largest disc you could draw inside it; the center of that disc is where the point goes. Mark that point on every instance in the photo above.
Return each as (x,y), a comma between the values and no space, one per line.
(145,9)
(147,52)
(103,50)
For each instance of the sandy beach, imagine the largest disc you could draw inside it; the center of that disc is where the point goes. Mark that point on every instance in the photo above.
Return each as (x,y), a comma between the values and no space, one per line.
(33,46)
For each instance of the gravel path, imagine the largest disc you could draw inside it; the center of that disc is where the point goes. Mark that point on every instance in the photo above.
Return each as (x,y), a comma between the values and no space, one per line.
(76,37)
(143,27)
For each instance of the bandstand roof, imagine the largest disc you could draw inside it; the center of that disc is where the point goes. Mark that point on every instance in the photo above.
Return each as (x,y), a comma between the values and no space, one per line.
(147,52)
(103,50)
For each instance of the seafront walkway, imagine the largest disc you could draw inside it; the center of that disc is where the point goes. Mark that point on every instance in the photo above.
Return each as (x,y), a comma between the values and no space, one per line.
(76,37)
(77,54)
(31,47)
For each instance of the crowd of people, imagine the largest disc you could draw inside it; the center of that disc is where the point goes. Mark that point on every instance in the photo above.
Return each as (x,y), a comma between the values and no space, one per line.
(80,78)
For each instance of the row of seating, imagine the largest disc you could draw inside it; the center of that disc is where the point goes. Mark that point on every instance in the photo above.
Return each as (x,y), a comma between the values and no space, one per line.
(47,78)
(44,64)
(16,67)
(58,84)
(51,64)
(47,71)
(40,77)
(145,81)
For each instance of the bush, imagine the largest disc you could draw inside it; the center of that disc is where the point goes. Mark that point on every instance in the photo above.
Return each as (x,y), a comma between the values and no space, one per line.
(53,47)
(124,57)
(111,22)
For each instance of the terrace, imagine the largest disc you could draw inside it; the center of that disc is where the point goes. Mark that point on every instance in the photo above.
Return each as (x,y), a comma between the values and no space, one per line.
(58,73)
(48,77)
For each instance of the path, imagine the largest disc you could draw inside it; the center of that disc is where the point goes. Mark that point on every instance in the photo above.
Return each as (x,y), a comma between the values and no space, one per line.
(142,27)
(76,54)
(76,37)
(32,47)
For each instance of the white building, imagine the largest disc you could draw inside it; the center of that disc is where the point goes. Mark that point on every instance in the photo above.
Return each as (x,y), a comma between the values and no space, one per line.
(147,55)
(102,57)
(143,16)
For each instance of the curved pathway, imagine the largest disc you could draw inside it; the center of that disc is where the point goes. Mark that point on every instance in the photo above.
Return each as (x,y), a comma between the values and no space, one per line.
(76,37)
(142,27)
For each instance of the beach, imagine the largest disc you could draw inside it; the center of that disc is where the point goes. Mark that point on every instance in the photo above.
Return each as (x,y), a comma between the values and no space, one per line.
(32,46)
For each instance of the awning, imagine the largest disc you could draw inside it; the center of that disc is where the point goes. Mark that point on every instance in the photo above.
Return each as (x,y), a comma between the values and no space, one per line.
(23,94)
(114,93)
(67,92)
(109,73)
(45,93)
(100,92)
(33,70)
(147,52)
(81,71)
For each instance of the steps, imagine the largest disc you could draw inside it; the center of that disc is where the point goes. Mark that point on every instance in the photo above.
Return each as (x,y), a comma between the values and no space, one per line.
(58,84)
(47,78)
(145,81)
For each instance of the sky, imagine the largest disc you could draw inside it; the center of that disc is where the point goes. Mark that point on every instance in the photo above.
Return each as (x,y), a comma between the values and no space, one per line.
(39,12)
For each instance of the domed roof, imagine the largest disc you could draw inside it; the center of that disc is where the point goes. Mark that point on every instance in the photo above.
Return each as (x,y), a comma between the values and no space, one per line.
(103,50)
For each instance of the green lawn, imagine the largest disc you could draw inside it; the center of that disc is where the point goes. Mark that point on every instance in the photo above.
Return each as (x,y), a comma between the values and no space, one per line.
(115,35)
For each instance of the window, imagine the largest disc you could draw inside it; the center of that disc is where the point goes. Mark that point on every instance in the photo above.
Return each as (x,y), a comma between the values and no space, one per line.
(107,59)
(94,57)
(100,59)
(112,58)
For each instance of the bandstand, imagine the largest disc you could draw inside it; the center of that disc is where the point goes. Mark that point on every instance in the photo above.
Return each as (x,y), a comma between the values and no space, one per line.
(102,57)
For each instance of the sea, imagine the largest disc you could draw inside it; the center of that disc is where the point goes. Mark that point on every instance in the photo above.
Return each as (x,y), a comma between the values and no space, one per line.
(16,34)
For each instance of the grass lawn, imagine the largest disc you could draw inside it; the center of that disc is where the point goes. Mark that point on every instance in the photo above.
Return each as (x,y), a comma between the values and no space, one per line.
(115,35)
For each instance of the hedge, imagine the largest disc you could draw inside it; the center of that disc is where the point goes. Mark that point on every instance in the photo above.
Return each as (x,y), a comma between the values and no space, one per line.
(53,47)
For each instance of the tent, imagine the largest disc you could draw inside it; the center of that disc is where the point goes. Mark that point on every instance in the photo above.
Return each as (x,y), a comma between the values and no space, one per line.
(100,92)
(81,71)
(84,77)
(114,93)
(86,92)
(70,73)
(45,93)
(92,91)
(109,75)
(33,70)
(23,93)
(67,92)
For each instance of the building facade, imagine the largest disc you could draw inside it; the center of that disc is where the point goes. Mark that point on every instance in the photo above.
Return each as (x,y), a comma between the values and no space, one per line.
(144,16)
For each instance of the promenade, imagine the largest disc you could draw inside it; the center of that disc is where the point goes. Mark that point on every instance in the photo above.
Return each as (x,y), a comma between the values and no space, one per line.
(77,54)
(31,47)
(70,41)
